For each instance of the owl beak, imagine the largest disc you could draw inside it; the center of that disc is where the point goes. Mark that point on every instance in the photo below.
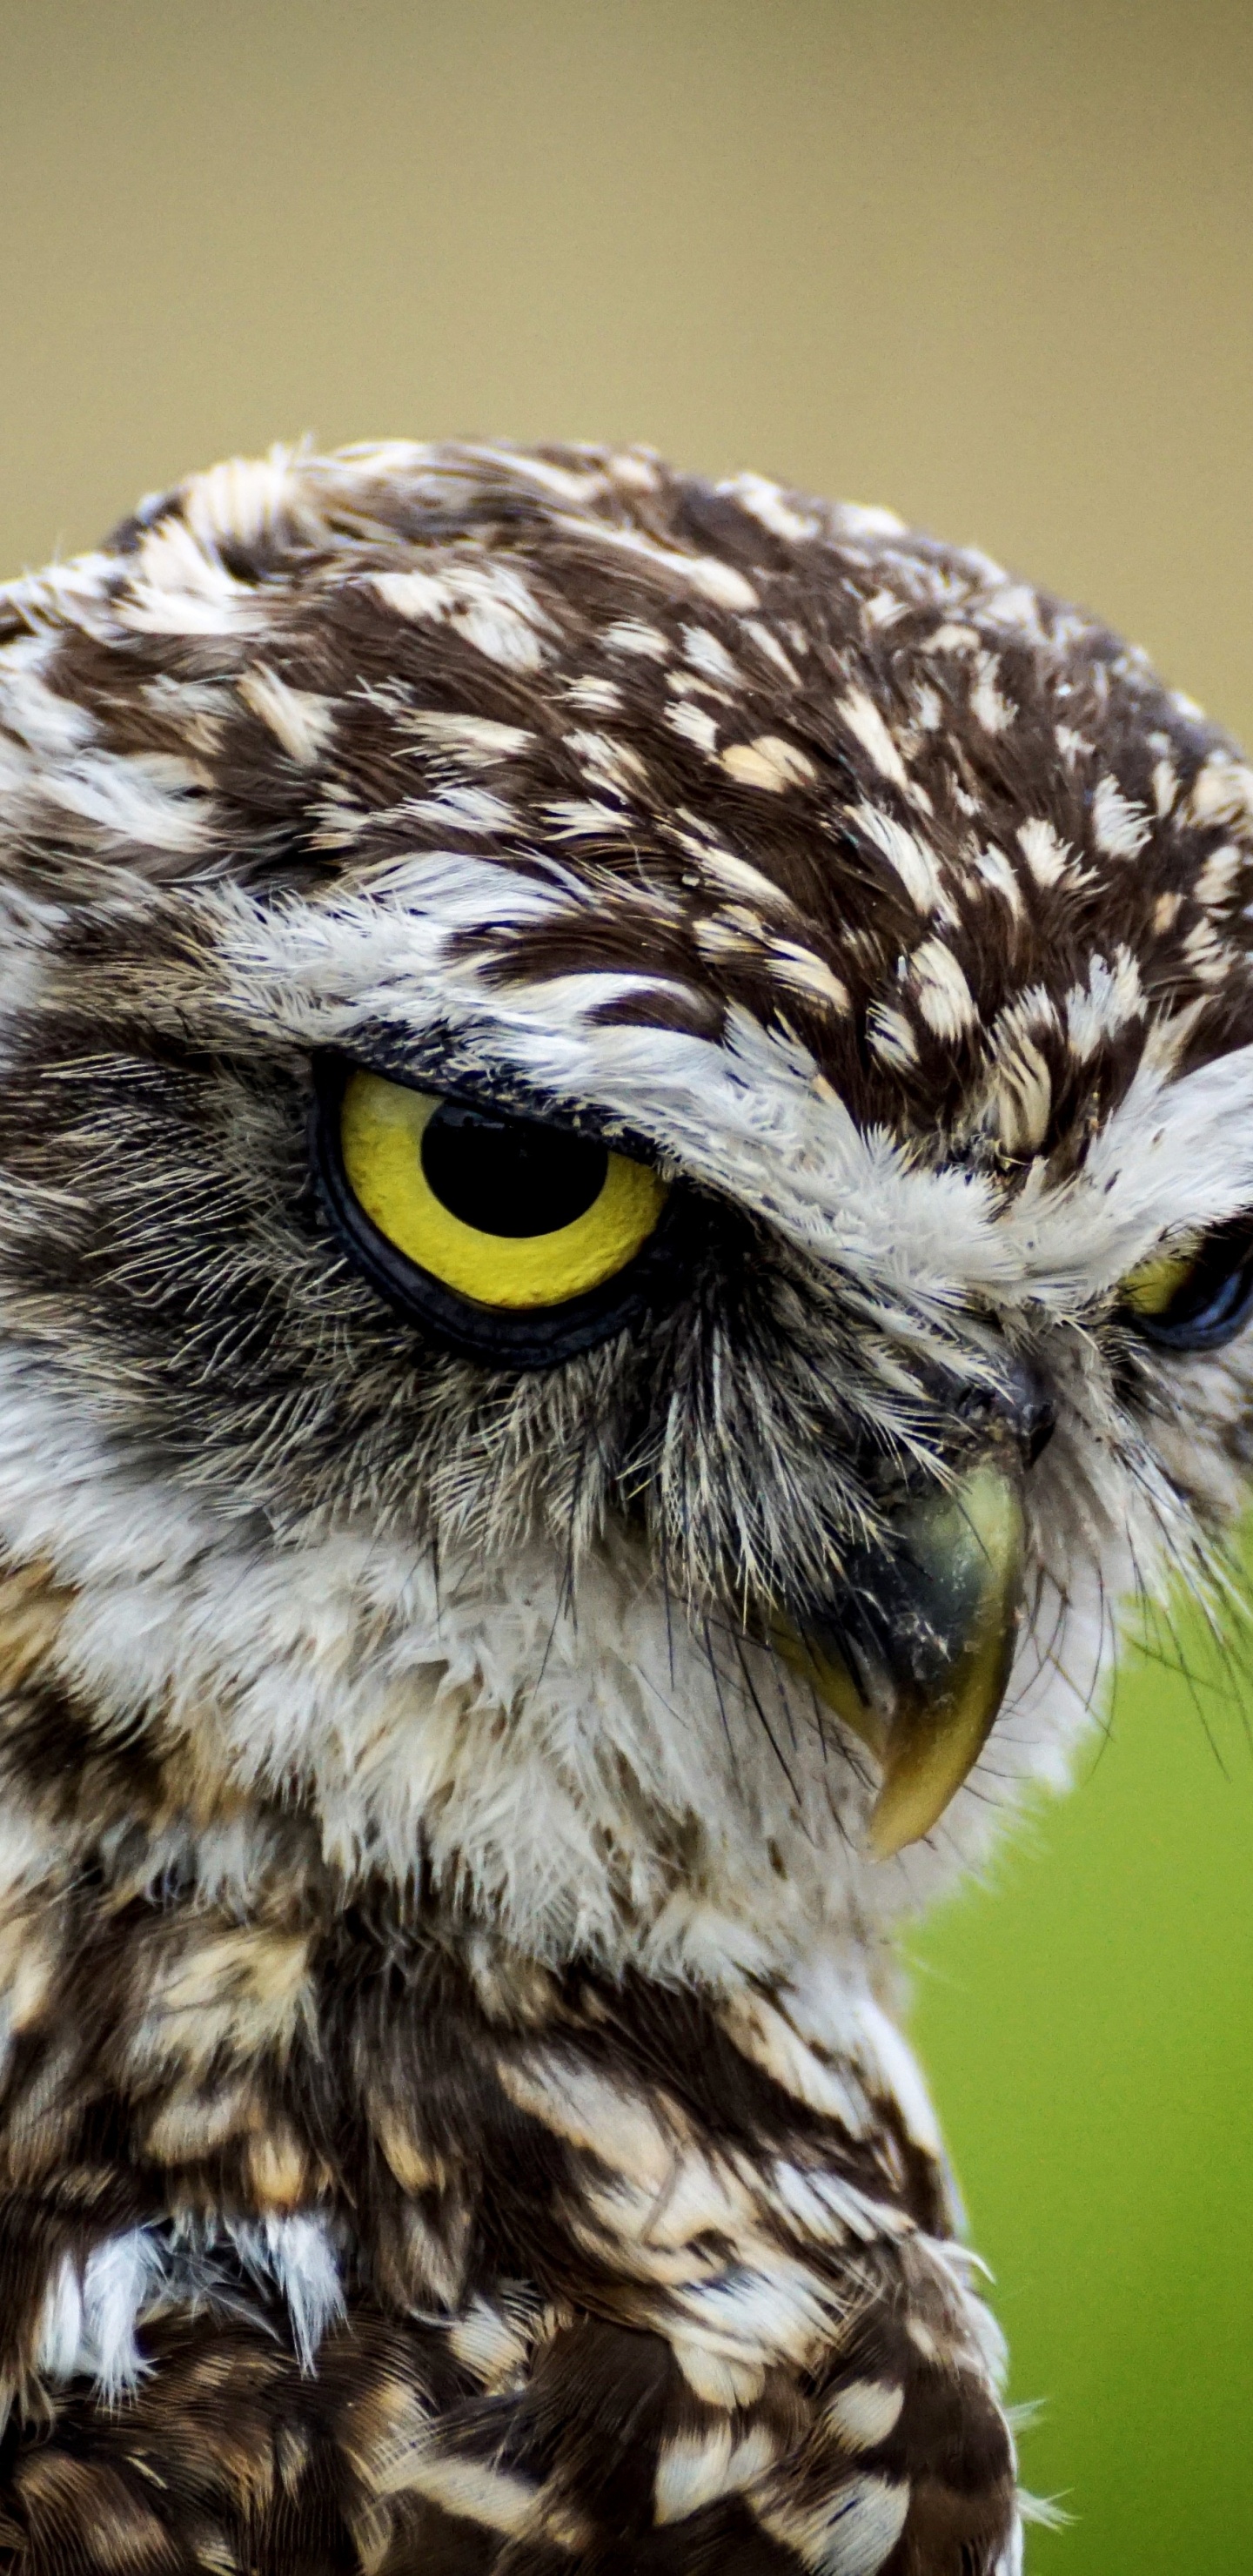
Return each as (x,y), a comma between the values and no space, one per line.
(920,1673)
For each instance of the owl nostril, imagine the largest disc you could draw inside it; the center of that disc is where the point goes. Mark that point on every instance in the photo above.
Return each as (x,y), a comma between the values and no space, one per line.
(1038,1430)
(1020,1407)
(1028,1412)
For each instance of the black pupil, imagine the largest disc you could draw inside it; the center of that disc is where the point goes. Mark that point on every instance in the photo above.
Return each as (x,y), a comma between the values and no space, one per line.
(509,1175)
(1218,1281)
(1214,1301)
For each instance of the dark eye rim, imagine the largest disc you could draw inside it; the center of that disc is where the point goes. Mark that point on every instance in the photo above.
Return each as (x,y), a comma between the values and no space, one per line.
(1216,1300)
(540,1336)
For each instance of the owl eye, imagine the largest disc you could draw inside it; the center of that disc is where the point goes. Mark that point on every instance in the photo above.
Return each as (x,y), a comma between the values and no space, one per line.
(1197,1296)
(507,1236)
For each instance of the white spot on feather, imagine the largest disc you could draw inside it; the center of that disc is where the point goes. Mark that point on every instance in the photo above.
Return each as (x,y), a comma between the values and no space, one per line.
(1208,957)
(769,762)
(487,602)
(633,470)
(1022,1084)
(765,502)
(246,497)
(802,972)
(941,990)
(1016,606)
(587,2108)
(474,741)
(692,2470)
(466,809)
(1098,1010)
(707,655)
(1046,854)
(987,702)
(995,870)
(850,2532)
(489,2343)
(598,697)
(606,763)
(717,2378)
(146,797)
(704,573)
(739,877)
(767,642)
(631,635)
(1165,786)
(863,2413)
(470,2488)
(913,861)
(764,2034)
(891,1038)
(695,724)
(1221,792)
(701,2463)
(580,818)
(866,721)
(885,608)
(1119,826)
(45,721)
(1216,883)
(952,638)
(300,720)
(177,588)
(867,519)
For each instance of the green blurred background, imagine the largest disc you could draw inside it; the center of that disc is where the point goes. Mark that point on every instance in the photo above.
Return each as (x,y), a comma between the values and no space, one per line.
(993,265)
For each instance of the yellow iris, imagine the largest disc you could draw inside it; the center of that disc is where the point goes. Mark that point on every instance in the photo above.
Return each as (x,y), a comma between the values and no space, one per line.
(1153,1286)
(382,1127)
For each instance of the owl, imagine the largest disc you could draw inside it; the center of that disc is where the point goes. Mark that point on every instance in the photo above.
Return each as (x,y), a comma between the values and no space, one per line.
(626,1218)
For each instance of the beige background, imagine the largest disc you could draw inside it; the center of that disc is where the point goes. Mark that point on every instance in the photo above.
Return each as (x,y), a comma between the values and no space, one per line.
(993,265)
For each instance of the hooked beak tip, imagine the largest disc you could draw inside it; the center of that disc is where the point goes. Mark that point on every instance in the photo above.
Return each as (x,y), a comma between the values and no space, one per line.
(964,1551)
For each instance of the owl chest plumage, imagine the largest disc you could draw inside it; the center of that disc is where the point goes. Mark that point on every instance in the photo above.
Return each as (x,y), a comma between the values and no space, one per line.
(335,2235)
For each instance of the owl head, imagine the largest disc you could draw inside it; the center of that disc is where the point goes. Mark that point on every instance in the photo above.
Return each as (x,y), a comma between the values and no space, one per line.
(626,1187)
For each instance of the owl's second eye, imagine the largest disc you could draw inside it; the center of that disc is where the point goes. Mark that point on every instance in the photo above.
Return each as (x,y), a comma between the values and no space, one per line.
(509,1237)
(1196,1297)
